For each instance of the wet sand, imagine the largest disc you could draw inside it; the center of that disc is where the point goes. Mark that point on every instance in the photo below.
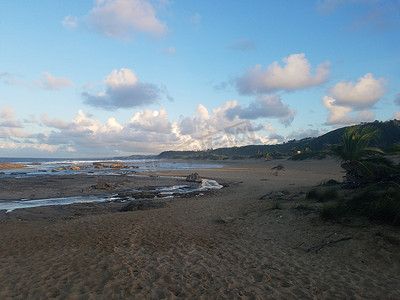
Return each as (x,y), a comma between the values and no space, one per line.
(227,244)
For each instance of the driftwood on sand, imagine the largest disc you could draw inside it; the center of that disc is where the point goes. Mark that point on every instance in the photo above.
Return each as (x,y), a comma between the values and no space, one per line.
(277,168)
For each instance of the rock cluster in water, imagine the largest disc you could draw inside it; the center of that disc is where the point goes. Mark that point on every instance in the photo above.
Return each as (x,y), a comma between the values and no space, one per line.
(194,177)
(97,165)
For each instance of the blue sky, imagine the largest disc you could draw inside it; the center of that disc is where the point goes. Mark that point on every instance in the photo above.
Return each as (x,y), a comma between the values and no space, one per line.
(121,77)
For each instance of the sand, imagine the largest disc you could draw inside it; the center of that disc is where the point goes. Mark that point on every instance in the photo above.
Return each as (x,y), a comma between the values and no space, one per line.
(227,244)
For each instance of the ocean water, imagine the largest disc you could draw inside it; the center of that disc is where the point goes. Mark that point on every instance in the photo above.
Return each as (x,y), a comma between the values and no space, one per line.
(46,166)
(50,167)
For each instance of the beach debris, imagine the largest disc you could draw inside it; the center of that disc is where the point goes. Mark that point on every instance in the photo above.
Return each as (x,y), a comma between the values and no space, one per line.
(277,168)
(325,243)
(226,219)
(194,177)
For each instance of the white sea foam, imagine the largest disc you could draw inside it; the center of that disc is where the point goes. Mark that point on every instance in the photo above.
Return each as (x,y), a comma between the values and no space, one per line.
(166,192)
(208,184)
(9,206)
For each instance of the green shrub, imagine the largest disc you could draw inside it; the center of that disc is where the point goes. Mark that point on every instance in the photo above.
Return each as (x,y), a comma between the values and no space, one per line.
(276,205)
(304,207)
(323,194)
(333,210)
(312,194)
(376,203)
(381,204)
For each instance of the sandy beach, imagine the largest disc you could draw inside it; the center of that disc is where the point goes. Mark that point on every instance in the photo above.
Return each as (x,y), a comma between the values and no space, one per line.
(232,243)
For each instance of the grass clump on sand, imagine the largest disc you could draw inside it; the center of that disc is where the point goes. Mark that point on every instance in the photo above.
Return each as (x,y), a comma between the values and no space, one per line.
(323,194)
(375,203)
(305,207)
(276,206)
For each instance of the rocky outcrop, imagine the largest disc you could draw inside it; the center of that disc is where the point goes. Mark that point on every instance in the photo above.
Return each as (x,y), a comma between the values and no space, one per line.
(142,205)
(105,186)
(115,166)
(12,166)
(194,177)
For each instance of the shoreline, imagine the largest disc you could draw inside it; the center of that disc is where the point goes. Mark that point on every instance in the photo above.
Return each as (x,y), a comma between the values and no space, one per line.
(229,243)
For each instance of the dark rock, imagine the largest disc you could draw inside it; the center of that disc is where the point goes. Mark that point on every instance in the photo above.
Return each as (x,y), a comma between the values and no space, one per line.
(142,205)
(103,186)
(194,177)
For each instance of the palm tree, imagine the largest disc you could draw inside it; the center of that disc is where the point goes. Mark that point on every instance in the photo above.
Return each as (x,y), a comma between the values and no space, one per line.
(361,163)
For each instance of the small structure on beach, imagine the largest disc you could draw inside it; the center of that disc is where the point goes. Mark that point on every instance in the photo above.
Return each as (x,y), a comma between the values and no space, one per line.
(277,168)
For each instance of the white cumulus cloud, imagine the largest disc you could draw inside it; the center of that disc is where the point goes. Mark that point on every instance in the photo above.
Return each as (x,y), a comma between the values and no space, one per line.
(121,19)
(267,106)
(352,102)
(204,122)
(29,147)
(345,115)
(146,132)
(51,82)
(124,77)
(123,90)
(7,117)
(153,121)
(364,93)
(70,22)
(396,115)
(206,130)
(296,73)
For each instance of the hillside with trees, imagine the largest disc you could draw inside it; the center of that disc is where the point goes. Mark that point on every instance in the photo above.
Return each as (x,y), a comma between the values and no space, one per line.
(389,141)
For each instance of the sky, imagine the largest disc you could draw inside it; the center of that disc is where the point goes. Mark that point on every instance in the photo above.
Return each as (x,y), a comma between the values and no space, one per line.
(110,78)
